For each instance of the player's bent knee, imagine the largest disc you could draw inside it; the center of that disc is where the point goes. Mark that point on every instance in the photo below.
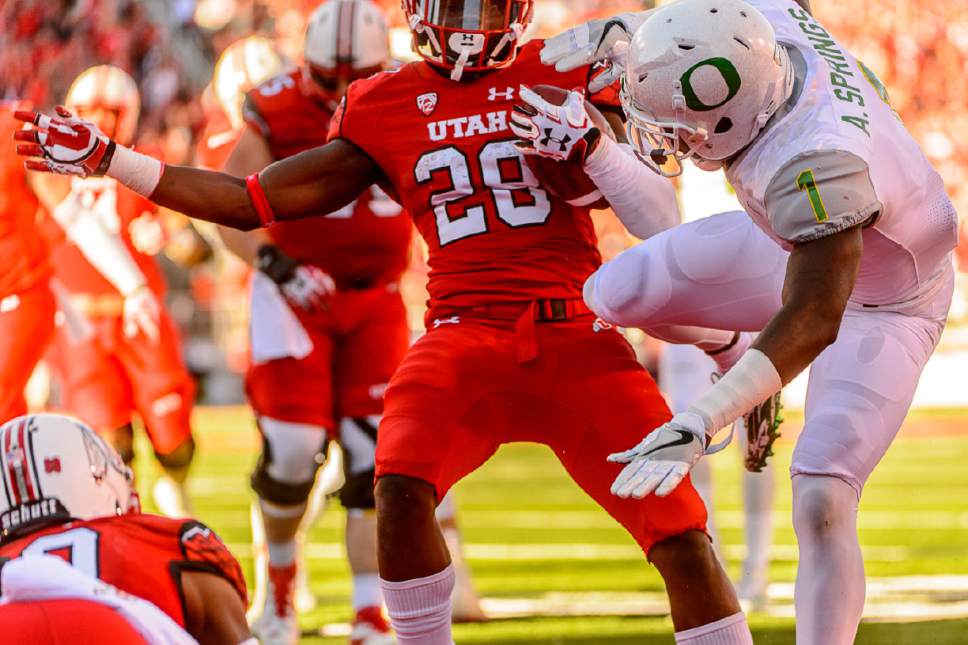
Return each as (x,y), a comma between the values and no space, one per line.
(822,505)
(291,455)
(357,437)
(179,458)
(399,497)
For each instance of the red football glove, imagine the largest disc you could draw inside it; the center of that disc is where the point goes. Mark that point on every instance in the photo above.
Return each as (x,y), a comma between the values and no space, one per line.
(63,144)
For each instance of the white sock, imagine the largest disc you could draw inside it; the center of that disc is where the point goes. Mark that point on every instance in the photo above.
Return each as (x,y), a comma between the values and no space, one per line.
(419,609)
(731,630)
(830,588)
(366,591)
(281,554)
(727,353)
(758,489)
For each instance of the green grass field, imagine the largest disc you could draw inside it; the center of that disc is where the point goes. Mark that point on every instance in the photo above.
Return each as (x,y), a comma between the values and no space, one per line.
(535,541)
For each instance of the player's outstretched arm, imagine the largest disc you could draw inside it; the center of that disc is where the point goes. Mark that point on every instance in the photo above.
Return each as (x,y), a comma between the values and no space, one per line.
(316,181)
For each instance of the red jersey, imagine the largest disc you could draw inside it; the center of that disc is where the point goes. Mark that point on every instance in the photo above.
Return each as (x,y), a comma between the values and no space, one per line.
(23,254)
(367,241)
(143,555)
(217,141)
(494,235)
(117,207)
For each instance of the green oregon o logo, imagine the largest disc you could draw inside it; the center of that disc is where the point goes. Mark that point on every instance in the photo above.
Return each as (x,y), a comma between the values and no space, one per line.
(726,69)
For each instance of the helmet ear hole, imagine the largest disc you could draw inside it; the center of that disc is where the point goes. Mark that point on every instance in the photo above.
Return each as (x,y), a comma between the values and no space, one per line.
(725,125)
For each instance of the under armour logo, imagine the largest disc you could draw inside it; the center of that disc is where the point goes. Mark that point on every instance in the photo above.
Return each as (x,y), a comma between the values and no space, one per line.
(453,320)
(561,142)
(52,465)
(506,95)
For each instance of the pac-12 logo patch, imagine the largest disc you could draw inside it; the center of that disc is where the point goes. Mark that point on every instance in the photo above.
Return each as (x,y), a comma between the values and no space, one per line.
(427,103)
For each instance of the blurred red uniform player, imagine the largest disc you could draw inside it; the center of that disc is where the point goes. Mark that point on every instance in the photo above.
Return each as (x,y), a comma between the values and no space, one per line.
(69,495)
(26,303)
(110,370)
(328,326)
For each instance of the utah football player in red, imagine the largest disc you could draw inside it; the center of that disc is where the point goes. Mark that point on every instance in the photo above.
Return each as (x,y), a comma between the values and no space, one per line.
(67,493)
(511,352)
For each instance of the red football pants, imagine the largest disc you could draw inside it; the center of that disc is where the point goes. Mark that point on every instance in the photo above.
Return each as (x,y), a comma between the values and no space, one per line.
(462,391)
(63,622)
(26,327)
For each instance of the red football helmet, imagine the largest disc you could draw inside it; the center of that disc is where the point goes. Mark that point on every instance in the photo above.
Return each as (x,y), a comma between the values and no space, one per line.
(467,35)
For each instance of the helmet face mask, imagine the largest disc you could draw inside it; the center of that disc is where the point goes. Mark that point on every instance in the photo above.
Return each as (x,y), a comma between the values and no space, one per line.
(467,35)
(56,469)
(703,78)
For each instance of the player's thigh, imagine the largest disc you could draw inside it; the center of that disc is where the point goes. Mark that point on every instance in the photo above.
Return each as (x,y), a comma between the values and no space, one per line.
(162,388)
(93,384)
(859,392)
(296,390)
(437,424)
(720,272)
(609,406)
(26,328)
(366,358)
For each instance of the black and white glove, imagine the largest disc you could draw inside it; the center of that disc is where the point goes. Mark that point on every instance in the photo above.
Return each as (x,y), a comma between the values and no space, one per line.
(559,132)
(662,460)
(304,286)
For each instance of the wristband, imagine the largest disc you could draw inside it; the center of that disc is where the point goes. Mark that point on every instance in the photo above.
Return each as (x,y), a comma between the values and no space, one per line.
(752,380)
(138,172)
(259,200)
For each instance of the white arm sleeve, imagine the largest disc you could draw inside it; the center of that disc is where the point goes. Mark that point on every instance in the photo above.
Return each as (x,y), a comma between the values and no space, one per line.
(643,200)
(103,249)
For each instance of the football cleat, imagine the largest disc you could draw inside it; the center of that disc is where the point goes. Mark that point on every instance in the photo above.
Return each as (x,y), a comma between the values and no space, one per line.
(762,430)
(278,625)
(370,627)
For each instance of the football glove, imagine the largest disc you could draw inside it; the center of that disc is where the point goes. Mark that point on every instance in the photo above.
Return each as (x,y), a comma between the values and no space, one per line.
(64,144)
(762,426)
(141,314)
(598,41)
(556,131)
(662,460)
(304,286)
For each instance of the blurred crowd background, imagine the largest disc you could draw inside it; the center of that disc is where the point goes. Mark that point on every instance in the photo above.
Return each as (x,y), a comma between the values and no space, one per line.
(919,48)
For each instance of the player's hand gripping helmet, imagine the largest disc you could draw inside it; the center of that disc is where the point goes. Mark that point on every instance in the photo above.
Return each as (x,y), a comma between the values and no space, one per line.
(467,35)
(702,79)
(346,40)
(243,65)
(107,96)
(55,469)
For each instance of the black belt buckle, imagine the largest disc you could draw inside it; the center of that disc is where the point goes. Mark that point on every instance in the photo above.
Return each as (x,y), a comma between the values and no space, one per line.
(555,310)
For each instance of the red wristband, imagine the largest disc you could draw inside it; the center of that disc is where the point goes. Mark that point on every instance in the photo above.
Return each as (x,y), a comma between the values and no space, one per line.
(259,200)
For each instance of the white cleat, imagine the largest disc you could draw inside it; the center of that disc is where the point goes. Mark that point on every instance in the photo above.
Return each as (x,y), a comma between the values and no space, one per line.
(370,627)
(171,498)
(277,625)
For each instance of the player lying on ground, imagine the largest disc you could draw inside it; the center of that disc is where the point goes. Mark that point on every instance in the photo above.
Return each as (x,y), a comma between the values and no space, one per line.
(840,195)
(511,353)
(69,495)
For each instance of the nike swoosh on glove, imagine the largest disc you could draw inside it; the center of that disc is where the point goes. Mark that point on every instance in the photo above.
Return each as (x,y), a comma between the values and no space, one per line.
(64,144)
(597,41)
(662,460)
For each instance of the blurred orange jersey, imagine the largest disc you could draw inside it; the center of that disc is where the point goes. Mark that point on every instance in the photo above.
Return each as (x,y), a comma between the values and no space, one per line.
(117,208)
(23,254)
(144,555)
(494,235)
(217,140)
(365,243)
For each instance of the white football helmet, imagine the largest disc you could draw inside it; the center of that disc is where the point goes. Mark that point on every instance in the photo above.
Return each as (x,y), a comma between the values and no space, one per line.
(54,469)
(107,87)
(243,65)
(347,38)
(702,79)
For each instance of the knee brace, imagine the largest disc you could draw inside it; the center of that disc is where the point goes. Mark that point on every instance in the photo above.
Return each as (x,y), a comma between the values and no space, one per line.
(291,455)
(358,440)
(178,458)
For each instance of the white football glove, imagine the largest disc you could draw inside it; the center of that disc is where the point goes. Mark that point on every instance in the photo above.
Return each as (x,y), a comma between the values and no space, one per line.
(662,460)
(142,314)
(148,234)
(598,41)
(555,131)
(64,144)
(308,287)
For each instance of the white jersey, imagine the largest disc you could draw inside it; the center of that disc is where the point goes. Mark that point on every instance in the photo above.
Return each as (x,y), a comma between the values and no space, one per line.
(835,156)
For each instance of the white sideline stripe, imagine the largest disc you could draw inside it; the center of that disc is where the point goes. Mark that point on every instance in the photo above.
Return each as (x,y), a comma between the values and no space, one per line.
(578,552)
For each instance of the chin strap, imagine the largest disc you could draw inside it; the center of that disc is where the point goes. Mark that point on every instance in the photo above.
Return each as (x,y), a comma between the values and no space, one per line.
(458,71)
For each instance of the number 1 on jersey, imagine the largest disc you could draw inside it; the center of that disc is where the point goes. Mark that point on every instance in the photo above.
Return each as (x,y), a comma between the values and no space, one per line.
(806,181)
